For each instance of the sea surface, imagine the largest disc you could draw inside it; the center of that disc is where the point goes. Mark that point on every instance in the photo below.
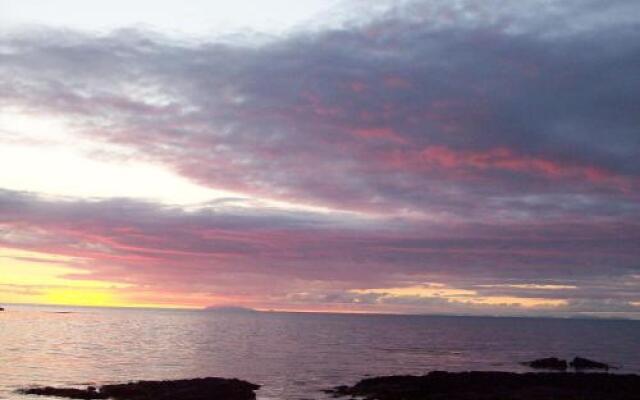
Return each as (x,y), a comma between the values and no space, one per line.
(294,356)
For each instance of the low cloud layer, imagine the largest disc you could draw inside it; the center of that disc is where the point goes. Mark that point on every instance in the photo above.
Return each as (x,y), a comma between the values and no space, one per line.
(299,260)
(490,148)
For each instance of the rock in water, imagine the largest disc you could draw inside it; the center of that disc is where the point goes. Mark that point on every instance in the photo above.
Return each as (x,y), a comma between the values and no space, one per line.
(585,363)
(187,389)
(63,392)
(547,363)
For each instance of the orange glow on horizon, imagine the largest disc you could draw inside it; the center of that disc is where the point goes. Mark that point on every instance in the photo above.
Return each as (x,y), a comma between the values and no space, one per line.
(41,278)
(30,277)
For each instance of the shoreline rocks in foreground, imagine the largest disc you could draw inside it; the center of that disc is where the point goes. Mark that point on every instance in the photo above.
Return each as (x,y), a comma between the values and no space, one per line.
(186,389)
(487,385)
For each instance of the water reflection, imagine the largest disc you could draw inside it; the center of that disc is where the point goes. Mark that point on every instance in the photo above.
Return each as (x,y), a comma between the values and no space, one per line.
(293,355)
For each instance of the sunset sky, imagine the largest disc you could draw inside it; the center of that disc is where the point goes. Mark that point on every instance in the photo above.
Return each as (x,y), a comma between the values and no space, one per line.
(459,157)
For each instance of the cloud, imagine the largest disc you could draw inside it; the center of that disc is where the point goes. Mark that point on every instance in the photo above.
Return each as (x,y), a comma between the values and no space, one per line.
(272,258)
(407,115)
(488,146)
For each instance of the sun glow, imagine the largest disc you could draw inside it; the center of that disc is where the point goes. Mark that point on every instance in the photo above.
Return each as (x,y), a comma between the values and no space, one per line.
(81,297)
(88,168)
(33,277)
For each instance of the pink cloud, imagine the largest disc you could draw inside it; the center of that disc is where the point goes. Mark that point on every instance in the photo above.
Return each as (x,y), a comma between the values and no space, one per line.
(380,133)
(501,158)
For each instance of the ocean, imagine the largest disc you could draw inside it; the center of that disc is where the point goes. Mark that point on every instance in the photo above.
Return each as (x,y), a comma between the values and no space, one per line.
(293,355)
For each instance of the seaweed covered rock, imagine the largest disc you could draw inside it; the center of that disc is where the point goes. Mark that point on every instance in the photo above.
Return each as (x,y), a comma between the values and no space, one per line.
(186,389)
(487,385)
(69,393)
(547,363)
(584,363)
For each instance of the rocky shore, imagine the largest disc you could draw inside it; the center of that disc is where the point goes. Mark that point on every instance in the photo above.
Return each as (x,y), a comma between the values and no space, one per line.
(437,385)
(496,386)
(188,389)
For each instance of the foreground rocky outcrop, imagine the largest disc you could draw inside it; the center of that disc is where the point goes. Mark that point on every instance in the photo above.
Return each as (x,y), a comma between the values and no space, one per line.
(496,386)
(187,389)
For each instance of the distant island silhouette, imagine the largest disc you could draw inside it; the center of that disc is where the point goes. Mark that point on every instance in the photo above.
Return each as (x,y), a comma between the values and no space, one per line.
(230,310)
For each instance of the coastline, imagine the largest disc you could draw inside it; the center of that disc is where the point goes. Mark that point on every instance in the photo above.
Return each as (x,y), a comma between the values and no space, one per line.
(436,385)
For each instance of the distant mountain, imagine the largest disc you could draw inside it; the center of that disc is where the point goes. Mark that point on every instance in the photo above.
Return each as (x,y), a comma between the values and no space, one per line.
(230,310)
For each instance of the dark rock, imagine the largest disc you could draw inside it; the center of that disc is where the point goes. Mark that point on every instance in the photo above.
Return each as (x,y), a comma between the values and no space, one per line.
(497,386)
(585,363)
(64,392)
(338,391)
(547,363)
(187,389)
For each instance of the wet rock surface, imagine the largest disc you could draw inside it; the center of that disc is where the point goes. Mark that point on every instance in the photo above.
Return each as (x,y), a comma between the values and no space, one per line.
(547,363)
(578,363)
(584,363)
(188,389)
(496,386)
(68,393)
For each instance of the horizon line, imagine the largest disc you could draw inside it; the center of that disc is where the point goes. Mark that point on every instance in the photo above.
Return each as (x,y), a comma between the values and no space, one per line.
(591,316)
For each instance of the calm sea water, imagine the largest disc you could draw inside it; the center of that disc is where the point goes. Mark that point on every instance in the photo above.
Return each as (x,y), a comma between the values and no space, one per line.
(293,355)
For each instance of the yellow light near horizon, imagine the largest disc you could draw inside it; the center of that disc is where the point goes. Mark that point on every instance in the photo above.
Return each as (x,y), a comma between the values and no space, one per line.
(28,268)
(40,278)
(525,302)
(82,297)
(426,290)
(33,277)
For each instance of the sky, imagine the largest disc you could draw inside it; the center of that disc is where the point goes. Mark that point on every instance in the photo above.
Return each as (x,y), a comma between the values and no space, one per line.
(449,157)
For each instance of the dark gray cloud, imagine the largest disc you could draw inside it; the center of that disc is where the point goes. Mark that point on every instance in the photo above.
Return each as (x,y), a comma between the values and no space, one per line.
(392,114)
